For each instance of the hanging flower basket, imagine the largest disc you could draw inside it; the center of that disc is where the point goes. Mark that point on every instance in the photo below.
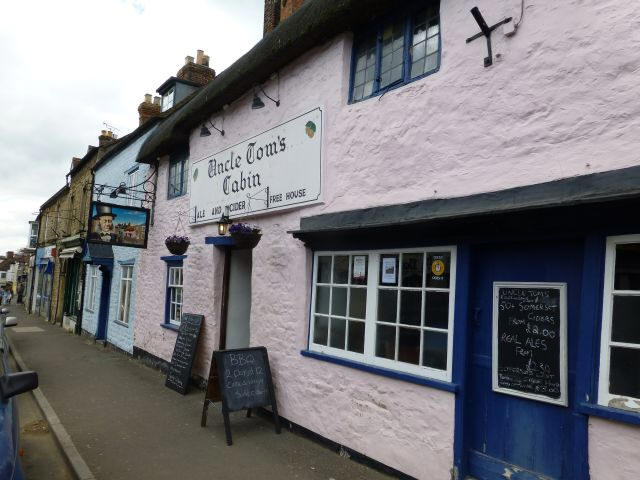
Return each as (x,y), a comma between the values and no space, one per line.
(177,244)
(245,236)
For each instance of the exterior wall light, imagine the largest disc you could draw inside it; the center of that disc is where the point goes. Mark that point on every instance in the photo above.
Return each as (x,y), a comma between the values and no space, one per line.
(257,101)
(223,224)
(205,132)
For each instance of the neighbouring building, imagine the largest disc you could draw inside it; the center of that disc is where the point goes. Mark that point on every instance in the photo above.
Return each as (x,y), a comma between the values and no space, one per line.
(447,278)
(112,268)
(52,218)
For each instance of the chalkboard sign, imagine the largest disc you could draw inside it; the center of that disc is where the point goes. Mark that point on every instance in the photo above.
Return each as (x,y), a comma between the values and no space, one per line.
(184,352)
(241,380)
(530,340)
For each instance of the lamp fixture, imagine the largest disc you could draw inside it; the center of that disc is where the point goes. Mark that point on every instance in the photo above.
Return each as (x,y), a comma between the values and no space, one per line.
(205,132)
(223,224)
(257,101)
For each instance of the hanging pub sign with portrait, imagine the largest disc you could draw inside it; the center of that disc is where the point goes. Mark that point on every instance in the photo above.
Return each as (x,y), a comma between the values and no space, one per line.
(118,225)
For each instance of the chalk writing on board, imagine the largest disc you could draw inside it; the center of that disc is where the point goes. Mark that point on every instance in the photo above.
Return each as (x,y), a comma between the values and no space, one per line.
(529,340)
(245,379)
(184,352)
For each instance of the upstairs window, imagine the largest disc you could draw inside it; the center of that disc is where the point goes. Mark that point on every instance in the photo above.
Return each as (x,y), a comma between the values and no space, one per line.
(167,99)
(124,303)
(396,51)
(178,173)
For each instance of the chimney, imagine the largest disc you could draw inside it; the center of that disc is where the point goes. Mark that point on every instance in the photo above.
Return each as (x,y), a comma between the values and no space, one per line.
(75,161)
(149,108)
(106,136)
(198,72)
(288,8)
(277,11)
(9,255)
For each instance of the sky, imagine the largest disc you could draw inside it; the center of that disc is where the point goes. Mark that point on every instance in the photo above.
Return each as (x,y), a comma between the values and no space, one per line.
(70,65)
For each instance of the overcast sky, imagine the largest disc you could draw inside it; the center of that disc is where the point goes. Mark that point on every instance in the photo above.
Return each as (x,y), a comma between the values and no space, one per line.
(68,66)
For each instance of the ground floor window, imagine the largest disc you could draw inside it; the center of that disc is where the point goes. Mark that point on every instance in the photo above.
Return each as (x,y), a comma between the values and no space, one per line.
(392,309)
(174,294)
(620,343)
(91,287)
(125,293)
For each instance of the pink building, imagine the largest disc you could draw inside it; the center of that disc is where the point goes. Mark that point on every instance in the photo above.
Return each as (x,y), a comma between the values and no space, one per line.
(448,276)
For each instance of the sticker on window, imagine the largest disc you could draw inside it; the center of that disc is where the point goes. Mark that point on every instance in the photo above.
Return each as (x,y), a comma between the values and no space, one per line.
(389,270)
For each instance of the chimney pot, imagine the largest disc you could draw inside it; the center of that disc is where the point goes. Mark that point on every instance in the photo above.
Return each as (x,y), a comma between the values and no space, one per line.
(147,98)
(156,100)
(103,132)
(199,55)
(205,60)
(188,59)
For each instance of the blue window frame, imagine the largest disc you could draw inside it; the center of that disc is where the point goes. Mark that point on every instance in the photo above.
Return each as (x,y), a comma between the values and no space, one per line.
(178,174)
(174,290)
(396,50)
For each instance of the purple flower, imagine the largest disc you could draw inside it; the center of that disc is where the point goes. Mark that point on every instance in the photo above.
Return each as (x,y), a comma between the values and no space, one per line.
(177,239)
(243,228)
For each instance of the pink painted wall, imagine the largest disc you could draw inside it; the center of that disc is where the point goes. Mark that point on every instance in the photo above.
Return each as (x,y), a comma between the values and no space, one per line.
(613,450)
(557,103)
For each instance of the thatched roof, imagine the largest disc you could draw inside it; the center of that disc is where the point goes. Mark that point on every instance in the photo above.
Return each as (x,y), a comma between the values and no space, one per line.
(315,23)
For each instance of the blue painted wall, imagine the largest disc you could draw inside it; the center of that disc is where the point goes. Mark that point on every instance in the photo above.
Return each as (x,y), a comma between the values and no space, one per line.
(114,171)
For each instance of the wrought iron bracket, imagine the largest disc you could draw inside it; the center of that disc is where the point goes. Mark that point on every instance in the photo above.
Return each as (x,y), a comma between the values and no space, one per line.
(485,31)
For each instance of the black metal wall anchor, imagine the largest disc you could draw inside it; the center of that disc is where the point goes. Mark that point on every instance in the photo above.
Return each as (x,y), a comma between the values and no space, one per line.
(485,31)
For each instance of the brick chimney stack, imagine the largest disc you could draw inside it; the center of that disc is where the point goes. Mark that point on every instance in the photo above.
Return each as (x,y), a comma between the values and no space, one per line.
(277,11)
(74,162)
(106,136)
(197,72)
(149,108)
(9,255)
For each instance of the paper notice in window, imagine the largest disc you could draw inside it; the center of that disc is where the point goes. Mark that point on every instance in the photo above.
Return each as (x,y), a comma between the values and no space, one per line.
(359,267)
(389,270)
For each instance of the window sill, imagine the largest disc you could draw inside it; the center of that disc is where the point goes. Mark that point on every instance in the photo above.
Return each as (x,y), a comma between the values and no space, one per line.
(609,413)
(122,324)
(170,326)
(385,372)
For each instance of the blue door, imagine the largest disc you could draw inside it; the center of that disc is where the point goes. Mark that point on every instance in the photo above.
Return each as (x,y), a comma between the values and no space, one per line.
(509,436)
(105,296)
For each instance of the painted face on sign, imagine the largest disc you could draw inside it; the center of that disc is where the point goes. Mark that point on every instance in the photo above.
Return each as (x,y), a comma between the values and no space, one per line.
(106,224)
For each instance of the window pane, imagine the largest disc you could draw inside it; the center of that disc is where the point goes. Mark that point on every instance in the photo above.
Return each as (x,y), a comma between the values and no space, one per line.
(368,89)
(409,345)
(340,269)
(359,78)
(625,324)
(358,303)
(438,270)
(324,270)
(338,331)
(627,276)
(387,305)
(436,309)
(410,307)
(432,45)
(339,301)
(435,350)
(434,28)
(355,342)
(431,63)
(358,92)
(321,330)
(412,269)
(386,342)
(417,68)
(322,299)
(419,33)
(624,378)
(418,51)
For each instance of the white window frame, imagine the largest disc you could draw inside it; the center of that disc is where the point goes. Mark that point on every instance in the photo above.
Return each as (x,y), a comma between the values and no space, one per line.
(604,397)
(369,357)
(124,301)
(174,288)
(93,277)
(168,99)
(132,181)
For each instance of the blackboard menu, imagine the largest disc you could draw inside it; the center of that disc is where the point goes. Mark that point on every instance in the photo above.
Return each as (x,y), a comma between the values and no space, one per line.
(529,340)
(184,352)
(241,379)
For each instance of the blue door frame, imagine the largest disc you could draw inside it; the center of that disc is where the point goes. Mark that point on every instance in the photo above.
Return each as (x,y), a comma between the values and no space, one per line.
(105,295)
(562,455)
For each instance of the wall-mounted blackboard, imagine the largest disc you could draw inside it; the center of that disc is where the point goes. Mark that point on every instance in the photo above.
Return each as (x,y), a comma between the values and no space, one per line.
(184,352)
(530,340)
(241,380)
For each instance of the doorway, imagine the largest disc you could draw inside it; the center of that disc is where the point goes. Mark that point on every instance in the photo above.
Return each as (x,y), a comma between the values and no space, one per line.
(510,436)
(239,306)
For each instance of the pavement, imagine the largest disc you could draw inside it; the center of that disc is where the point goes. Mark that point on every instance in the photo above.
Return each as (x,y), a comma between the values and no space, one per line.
(115,419)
